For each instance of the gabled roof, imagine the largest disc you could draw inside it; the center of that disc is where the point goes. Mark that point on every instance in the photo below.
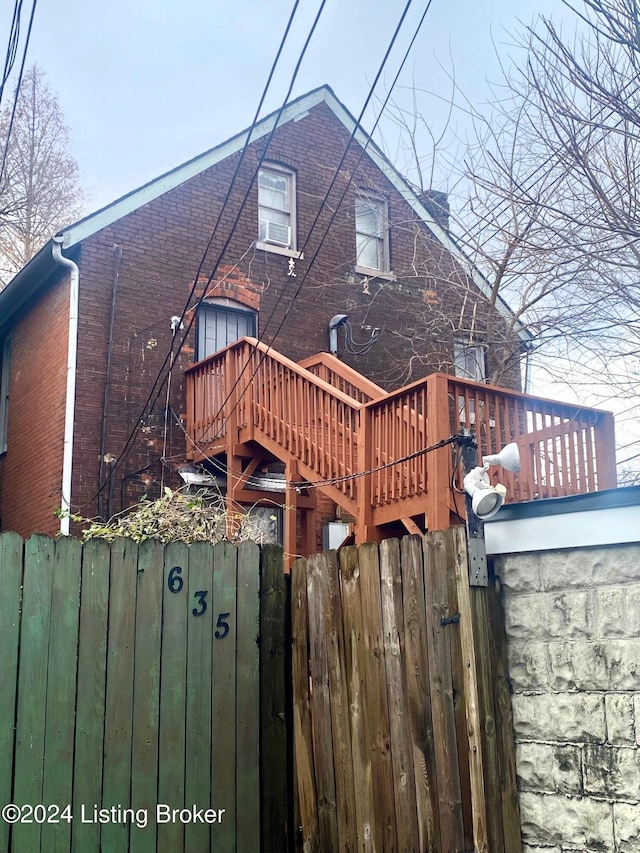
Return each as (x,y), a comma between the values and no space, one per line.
(294,111)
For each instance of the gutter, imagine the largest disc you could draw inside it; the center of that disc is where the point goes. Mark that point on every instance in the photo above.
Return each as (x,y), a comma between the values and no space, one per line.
(70,401)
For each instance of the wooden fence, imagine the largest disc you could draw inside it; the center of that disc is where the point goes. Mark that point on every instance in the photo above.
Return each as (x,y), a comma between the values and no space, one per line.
(402,722)
(132,684)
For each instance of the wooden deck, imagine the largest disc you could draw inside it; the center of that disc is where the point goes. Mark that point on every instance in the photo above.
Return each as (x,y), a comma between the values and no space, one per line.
(332,427)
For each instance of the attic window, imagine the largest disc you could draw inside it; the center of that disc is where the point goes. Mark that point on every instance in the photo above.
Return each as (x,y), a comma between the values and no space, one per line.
(372,234)
(469,360)
(276,208)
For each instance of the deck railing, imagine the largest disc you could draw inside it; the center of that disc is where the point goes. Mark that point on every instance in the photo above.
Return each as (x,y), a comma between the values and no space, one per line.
(297,414)
(265,396)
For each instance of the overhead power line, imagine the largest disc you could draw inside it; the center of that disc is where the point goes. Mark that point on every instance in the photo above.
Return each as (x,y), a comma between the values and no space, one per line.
(159,380)
(17,93)
(337,207)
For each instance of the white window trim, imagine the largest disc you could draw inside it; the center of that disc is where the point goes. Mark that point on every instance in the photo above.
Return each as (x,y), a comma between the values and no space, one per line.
(289,251)
(383,204)
(4,393)
(462,345)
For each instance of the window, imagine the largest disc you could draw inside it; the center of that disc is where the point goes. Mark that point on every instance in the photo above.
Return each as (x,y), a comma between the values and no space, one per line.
(276,207)
(372,233)
(223,323)
(469,360)
(4,392)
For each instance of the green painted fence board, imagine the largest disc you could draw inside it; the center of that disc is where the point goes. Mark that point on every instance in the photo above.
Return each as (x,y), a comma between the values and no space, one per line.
(247,754)
(173,692)
(198,747)
(92,659)
(61,690)
(122,689)
(32,686)
(146,695)
(10,601)
(223,732)
(116,788)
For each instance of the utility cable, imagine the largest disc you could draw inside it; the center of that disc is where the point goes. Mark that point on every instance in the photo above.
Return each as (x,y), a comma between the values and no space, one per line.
(333,481)
(12,46)
(158,384)
(332,184)
(17,95)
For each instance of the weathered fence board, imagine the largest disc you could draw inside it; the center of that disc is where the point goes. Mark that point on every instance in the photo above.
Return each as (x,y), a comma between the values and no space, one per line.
(131,687)
(407,685)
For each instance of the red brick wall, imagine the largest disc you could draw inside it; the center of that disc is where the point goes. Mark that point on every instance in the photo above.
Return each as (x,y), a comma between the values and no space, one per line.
(162,244)
(31,473)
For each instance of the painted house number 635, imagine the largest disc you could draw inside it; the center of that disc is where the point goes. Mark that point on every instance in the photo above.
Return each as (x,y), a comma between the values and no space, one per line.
(175,583)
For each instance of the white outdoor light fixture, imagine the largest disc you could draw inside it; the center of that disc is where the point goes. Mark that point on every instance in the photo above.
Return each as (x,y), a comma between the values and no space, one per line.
(486,499)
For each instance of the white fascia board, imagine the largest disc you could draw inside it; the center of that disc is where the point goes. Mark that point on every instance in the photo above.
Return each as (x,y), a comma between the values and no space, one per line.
(611,526)
(129,203)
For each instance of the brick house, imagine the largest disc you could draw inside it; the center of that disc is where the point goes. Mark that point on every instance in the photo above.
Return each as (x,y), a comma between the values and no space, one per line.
(86,326)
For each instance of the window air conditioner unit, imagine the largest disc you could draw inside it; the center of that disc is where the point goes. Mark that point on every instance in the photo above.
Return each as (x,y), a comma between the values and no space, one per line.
(273,232)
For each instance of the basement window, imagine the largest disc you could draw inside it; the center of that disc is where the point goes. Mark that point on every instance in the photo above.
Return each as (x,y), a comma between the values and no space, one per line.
(4,392)
(221,323)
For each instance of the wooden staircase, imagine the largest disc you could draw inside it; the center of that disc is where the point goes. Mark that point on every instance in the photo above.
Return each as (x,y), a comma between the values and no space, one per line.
(340,435)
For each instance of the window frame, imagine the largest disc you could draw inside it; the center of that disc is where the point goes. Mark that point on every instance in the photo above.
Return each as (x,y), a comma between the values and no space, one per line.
(265,245)
(5,380)
(222,306)
(381,204)
(462,348)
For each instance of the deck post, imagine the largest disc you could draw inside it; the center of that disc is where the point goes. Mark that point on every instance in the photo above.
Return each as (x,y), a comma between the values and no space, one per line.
(438,461)
(364,529)
(605,441)
(234,464)
(290,516)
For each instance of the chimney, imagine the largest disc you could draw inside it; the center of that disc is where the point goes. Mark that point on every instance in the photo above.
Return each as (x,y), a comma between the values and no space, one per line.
(437,203)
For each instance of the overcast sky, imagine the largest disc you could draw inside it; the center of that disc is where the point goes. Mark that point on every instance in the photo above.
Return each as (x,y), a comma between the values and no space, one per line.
(146,85)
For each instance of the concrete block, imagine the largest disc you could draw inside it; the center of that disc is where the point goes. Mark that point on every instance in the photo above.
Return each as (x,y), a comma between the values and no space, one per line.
(567,769)
(548,768)
(534,767)
(619,712)
(528,667)
(618,610)
(562,717)
(567,822)
(551,616)
(608,665)
(519,572)
(626,827)
(612,772)
(583,568)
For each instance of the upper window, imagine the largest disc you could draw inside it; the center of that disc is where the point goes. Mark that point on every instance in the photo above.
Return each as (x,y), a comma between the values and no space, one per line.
(276,207)
(4,392)
(372,233)
(220,324)
(469,360)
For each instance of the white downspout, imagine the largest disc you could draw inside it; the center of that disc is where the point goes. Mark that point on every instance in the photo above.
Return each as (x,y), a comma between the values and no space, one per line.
(70,403)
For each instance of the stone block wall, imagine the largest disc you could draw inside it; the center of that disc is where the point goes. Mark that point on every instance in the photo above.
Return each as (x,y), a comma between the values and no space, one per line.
(573,636)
